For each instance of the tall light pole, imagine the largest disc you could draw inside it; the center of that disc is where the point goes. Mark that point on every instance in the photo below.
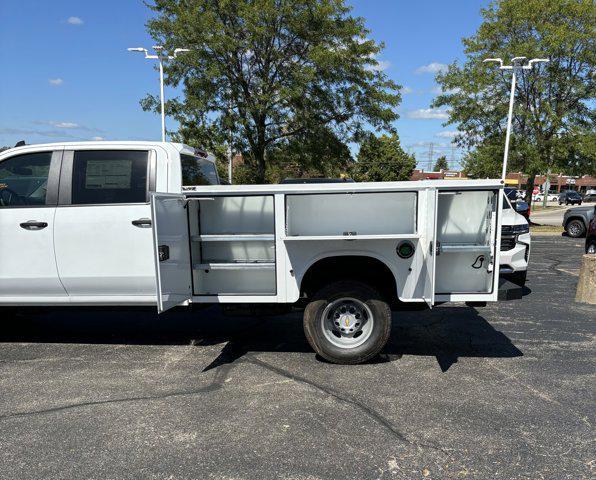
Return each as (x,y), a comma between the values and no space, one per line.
(516,67)
(161,57)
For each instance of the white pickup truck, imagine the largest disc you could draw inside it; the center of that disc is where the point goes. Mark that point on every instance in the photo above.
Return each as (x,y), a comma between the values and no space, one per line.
(109,223)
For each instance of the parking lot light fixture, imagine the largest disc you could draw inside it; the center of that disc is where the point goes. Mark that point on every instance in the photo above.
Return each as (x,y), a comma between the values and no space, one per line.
(160,57)
(517,65)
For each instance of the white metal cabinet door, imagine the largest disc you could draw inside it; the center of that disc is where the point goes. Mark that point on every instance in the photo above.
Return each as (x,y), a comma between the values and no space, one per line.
(101,252)
(27,263)
(171,250)
(429,245)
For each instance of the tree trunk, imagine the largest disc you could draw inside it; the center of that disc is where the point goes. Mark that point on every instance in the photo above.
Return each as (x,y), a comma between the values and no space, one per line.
(260,150)
(530,189)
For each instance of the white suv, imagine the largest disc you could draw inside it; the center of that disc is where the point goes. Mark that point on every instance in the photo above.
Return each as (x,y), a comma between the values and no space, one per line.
(515,245)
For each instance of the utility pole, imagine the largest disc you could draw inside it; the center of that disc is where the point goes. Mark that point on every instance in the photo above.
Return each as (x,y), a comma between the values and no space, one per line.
(161,57)
(230,160)
(452,155)
(516,67)
(230,153)
(546,188)
(430,156)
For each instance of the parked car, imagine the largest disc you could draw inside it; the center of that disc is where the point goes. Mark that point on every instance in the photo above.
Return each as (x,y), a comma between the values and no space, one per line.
(589,198)
(570,197)
(550,197)
(591,234)
(515,245)
(576,220)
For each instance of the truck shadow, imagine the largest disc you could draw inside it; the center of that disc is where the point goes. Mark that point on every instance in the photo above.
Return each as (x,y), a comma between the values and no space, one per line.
(446,333)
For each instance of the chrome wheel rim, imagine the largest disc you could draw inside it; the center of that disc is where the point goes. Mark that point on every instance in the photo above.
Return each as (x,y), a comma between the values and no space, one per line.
(347,322)
(574,228)
(592,248)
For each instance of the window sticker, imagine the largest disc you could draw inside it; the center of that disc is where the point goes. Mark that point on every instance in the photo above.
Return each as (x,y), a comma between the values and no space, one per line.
(108,174)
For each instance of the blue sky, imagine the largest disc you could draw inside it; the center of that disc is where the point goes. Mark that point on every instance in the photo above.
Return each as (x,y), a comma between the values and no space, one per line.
(67,75)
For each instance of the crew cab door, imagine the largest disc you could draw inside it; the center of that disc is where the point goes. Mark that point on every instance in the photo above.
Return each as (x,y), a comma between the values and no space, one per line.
(429,245)
(171,250)
(28,191)
(102,230)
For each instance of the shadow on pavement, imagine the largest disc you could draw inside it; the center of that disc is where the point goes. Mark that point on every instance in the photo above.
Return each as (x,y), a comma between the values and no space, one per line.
(446,333)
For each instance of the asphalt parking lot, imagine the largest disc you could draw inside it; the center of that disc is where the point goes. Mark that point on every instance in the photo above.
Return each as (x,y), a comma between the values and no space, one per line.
(503,392)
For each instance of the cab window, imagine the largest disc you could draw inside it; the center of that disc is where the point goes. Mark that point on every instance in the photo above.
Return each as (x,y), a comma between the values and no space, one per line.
(198,171)
(109,176)
(24,180)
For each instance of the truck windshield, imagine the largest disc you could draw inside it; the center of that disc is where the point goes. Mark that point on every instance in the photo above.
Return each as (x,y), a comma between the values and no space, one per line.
(198,171)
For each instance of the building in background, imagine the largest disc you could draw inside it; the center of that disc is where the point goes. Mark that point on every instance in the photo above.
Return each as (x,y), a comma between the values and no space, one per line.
(558,182)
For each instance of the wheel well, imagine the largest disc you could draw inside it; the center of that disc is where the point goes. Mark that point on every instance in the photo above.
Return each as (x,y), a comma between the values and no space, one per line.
(364,269)
(575,218)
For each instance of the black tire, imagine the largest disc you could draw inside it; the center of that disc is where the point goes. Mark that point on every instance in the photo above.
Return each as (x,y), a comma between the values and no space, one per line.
(519,278)
(314,322)
(575,228)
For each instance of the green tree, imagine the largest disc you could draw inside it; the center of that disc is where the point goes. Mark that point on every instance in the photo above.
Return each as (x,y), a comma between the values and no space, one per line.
(318,153)
(553,101)
(441,164)
(271,71)
(382,159)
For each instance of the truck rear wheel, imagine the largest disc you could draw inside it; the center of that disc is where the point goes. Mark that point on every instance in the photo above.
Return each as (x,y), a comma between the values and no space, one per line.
(347,322)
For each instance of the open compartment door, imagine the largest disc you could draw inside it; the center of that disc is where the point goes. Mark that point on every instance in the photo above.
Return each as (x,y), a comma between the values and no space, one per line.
(429,245)
(171,250)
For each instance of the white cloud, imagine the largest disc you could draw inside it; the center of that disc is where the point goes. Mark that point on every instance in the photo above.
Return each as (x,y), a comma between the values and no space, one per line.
(74,21)
(448,134)
(434,67)
(56,81)
(36,132)
(439,91)
(67,126)
(64,124)
(382,65)
(97,139)
(406,90)
(429,114)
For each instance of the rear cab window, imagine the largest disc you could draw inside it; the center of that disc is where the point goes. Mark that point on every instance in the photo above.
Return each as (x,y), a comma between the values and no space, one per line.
(109,176)
(198,171)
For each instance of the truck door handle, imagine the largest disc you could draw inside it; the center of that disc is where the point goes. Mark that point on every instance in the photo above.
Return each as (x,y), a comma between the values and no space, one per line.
(33,225)
(142,222)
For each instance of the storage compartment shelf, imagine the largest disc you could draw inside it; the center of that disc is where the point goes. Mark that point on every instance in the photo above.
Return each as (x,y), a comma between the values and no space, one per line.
(389,236)
(234,266)
(248,237)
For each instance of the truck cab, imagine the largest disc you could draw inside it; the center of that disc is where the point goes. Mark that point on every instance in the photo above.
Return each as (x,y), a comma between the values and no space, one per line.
(76,218)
